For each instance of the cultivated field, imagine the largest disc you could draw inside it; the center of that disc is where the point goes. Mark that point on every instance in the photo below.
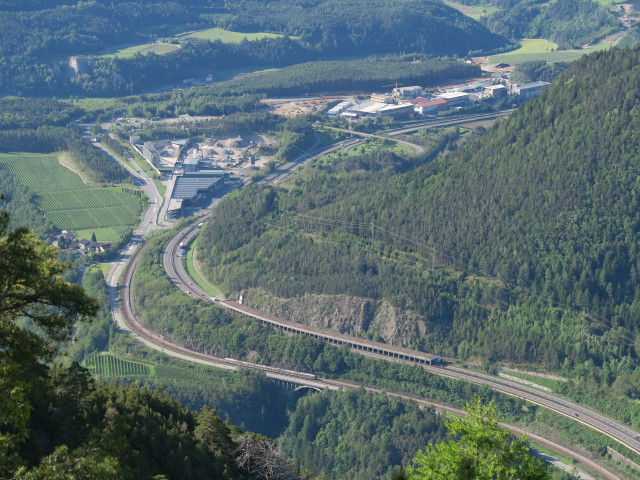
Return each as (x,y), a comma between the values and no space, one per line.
(107,365)
(539,49)
(71,204)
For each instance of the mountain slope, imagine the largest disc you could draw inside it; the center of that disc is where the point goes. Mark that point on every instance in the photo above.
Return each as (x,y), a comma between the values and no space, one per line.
(536,224)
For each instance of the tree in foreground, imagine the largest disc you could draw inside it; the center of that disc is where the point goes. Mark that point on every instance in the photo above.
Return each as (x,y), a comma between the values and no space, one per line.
(483,451)
(37,310)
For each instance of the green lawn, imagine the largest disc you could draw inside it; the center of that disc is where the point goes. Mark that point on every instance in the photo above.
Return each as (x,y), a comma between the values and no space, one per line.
(227,36)
(540,49)
(131,50)
(69,203)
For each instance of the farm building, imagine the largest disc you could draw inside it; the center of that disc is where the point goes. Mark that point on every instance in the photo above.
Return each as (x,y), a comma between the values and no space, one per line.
(407,92)
(529,90)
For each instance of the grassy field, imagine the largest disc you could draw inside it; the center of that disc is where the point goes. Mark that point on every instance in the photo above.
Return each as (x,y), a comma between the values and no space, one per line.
(473,11)
(70,204)
(553,385)
(105,267)
(227,36)
(195,274)
(109,365)
(539,49)
(130,51)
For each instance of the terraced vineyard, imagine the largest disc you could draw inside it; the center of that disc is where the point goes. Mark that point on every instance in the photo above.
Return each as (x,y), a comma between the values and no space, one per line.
(107,365)
(69,203)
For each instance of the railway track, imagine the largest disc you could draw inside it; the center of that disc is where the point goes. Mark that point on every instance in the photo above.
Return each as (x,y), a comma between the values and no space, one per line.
(612,428)
(170,347)
(175,269)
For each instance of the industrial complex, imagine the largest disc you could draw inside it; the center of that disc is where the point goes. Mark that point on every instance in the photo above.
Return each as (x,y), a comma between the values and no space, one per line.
(195,171)
(404,101)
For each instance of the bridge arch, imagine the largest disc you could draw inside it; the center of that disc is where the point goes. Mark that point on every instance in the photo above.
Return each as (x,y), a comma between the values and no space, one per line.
(307,387)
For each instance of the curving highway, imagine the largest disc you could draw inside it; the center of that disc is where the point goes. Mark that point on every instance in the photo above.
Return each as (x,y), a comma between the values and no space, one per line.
(158,342)
(175,268)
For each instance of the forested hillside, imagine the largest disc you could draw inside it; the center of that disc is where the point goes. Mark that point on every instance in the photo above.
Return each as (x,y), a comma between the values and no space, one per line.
(39,37)
(357,435)
(569,23)
(521,247)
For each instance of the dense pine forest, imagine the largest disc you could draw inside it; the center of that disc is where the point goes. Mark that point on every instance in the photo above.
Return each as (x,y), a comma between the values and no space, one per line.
(519,248)
(39,37)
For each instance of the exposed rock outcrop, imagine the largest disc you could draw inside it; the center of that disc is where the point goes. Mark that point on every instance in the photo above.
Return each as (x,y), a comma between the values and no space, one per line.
(344,314)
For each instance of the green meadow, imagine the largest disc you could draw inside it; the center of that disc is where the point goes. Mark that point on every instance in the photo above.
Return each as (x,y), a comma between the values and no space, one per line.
(539,49)
(227,36)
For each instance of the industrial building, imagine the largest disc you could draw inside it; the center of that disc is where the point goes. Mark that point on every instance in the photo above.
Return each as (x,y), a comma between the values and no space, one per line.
(375,109)
(529,90)
(191,163)
(149,152)
(496,91)
(341,107)
(162,155)
(191,187)
(431,106)
(406,93)
(454,99)
(381,98)
(418,100)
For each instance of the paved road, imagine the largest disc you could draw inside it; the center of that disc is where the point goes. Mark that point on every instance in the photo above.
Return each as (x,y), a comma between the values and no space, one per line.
(452,120)
(280,173)
(418,148)
(614,429)
(176,270)
(141,179)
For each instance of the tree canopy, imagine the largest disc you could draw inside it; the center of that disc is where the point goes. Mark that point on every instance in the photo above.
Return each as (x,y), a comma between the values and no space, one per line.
(482,450)
(37,309)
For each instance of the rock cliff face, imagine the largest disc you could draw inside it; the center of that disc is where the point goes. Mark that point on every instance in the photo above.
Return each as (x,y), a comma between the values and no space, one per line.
(359,316)
(80,65)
